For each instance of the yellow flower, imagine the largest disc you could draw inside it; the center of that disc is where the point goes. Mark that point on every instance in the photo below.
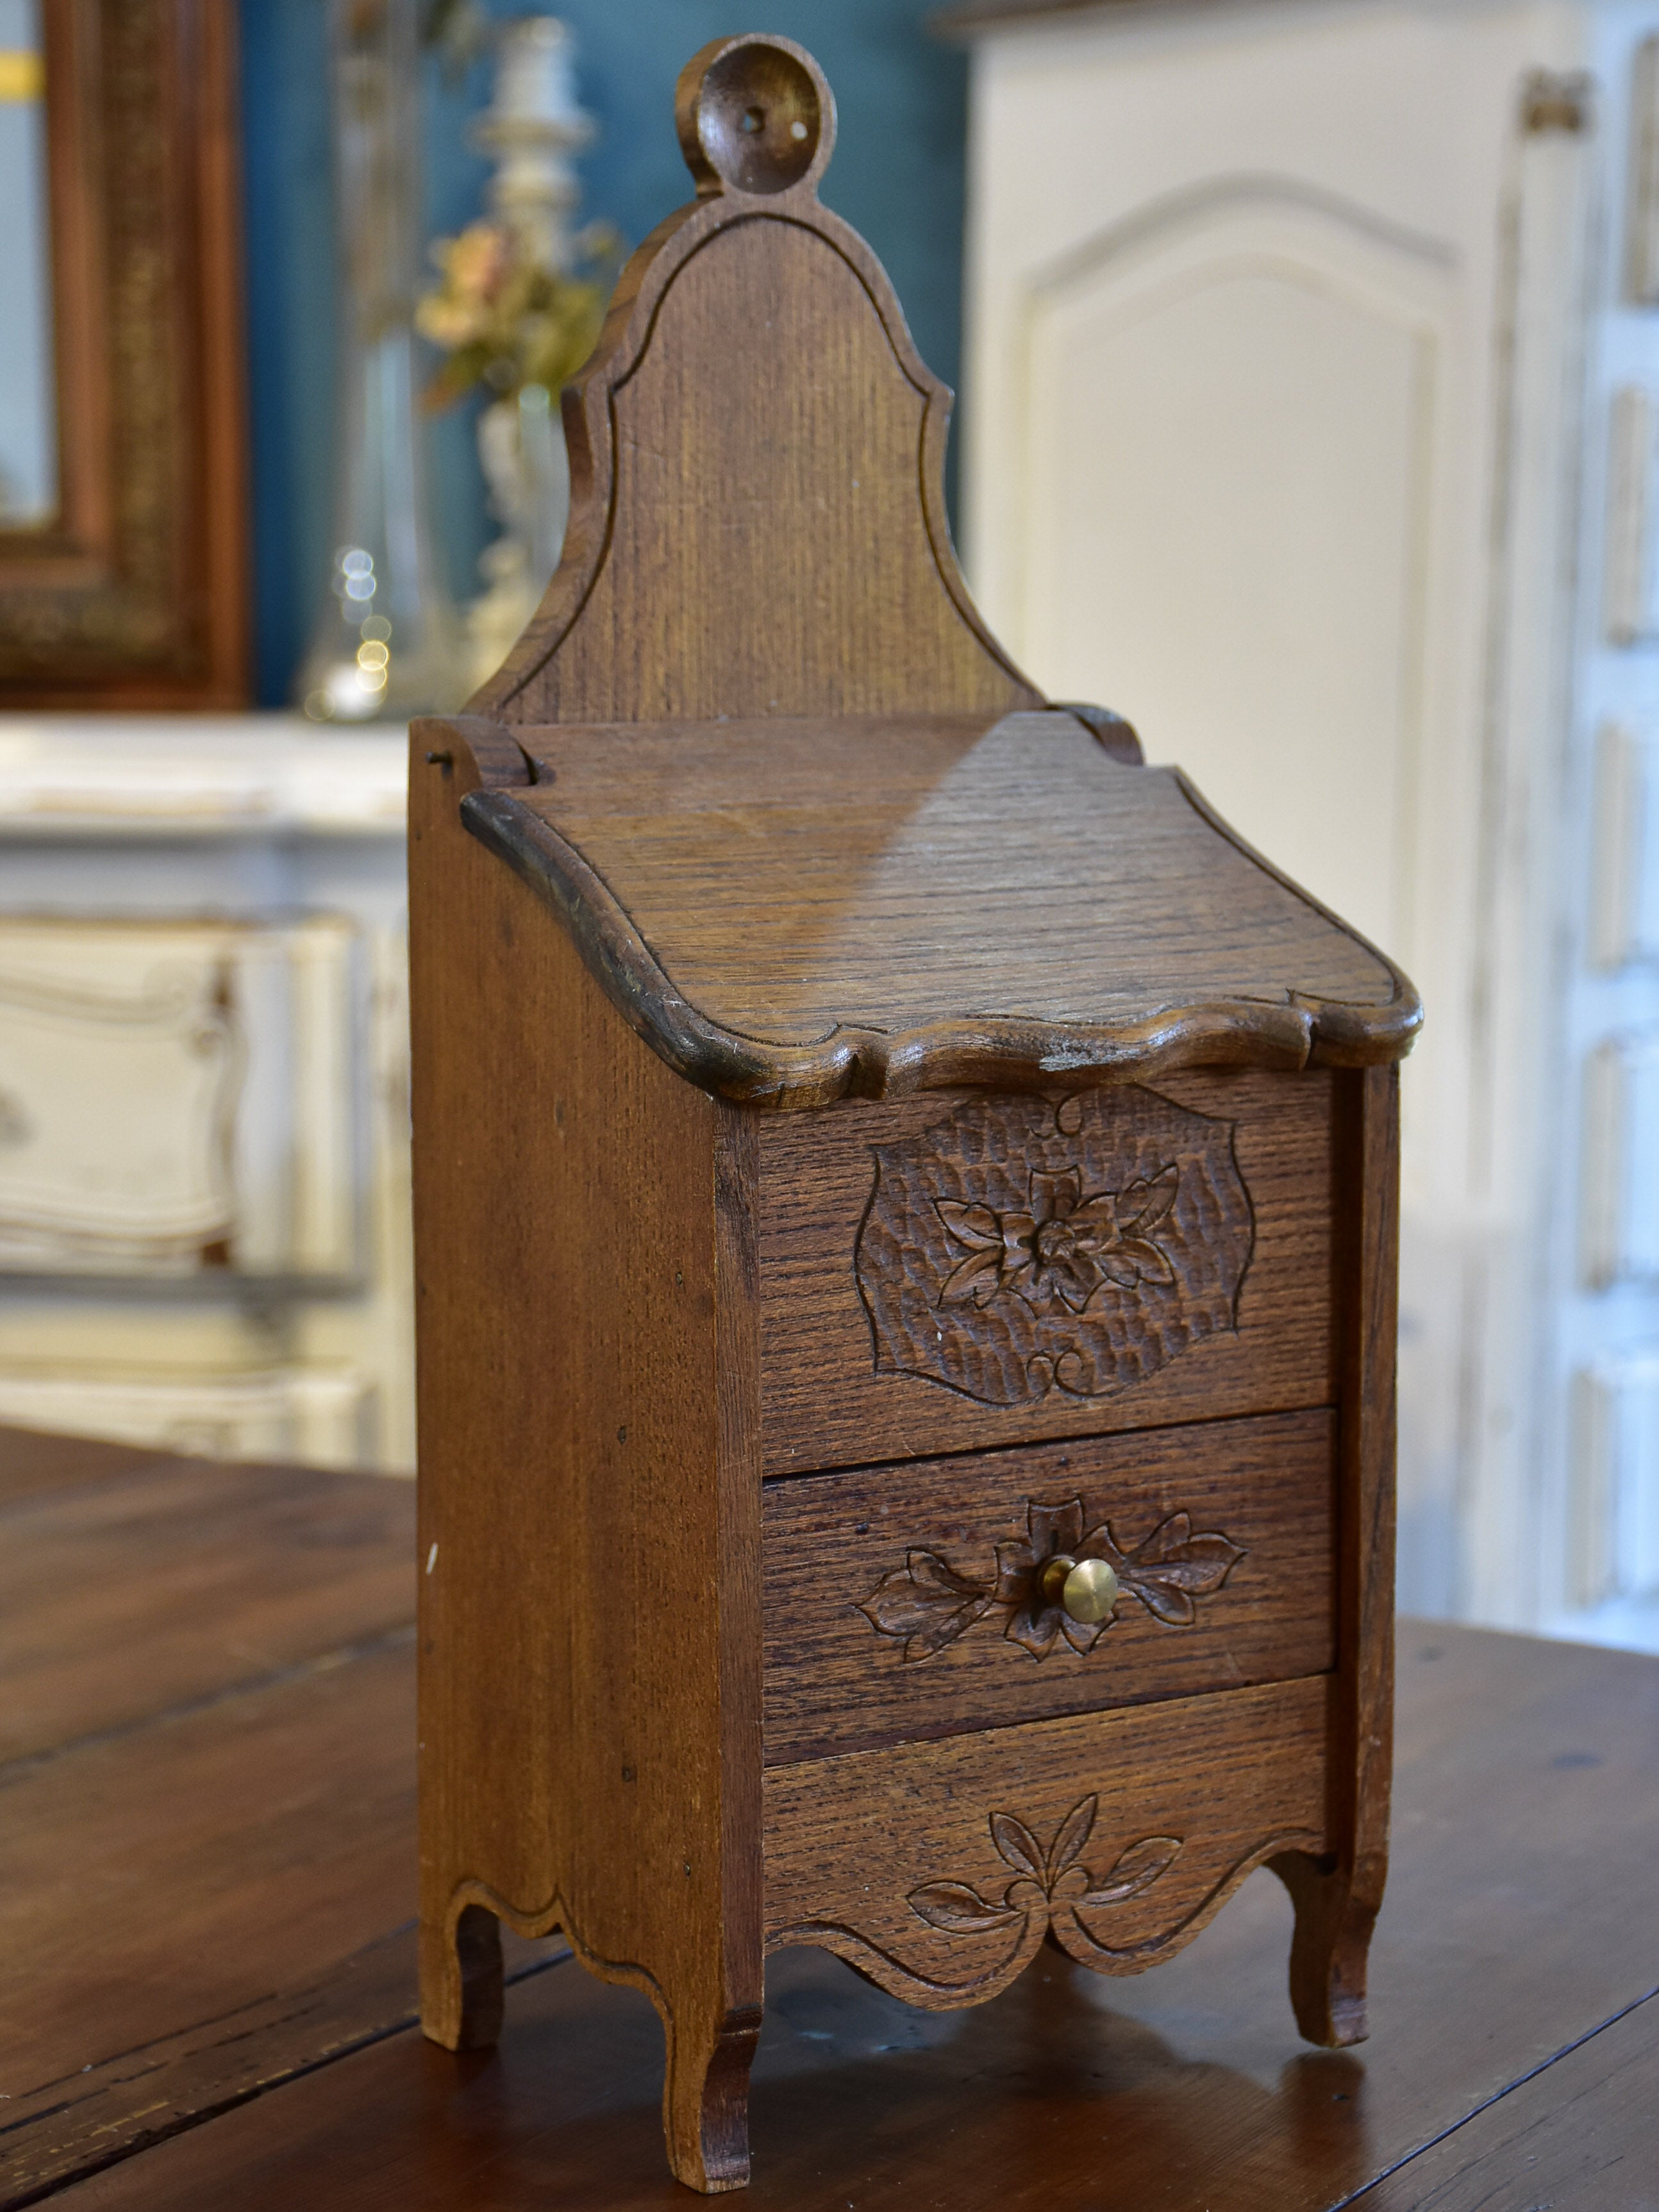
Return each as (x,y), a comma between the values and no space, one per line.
(476,264)
(448,322)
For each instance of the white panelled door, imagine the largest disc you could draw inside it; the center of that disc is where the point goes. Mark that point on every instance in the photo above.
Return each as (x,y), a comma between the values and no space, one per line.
(1199,381)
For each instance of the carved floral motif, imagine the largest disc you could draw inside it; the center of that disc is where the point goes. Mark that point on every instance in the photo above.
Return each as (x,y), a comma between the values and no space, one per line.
(1067,1249)
(1050,1894)
(929,1604)
(1025,1244)
(1051,1883)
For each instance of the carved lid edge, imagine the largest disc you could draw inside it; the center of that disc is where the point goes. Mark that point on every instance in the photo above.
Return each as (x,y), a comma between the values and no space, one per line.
(1004,1053)
(1345,1032)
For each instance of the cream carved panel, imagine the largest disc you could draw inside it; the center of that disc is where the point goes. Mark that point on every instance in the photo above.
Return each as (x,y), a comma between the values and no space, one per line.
(1624,907)
(204,1235)
(179,1096)
(1616,1479)
(1619,1217)
(1642,229)
(1631,615)
(1200,377)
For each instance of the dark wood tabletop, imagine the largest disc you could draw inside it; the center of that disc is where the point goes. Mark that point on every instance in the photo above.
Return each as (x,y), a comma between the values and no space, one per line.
(207,1897)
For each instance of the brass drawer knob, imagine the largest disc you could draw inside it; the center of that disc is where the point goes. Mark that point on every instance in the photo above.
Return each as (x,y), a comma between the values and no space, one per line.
(1086,1588)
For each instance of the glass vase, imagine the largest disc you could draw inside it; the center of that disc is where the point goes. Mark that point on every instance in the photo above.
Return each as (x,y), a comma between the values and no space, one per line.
(387,642)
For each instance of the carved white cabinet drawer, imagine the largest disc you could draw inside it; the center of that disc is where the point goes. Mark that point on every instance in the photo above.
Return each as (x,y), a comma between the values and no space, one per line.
(177,1096)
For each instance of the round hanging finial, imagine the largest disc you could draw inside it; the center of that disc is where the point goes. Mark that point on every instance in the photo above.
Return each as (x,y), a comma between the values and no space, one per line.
(756,115)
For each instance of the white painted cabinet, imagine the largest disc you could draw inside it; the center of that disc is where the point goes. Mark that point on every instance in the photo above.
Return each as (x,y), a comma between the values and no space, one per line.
(203,1092)
(1312,398)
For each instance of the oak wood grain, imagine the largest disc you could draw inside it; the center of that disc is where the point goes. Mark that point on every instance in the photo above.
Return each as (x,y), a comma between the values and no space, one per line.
(118,2105)
(36,1461)
(1583,2133)
(152,1879)
(219,1575)
(824,1401)
(793,911)
(937,1868)
(1337,1906)
(757,583)
(757,521)
(168,1626)
(590,1702)
(834,1682)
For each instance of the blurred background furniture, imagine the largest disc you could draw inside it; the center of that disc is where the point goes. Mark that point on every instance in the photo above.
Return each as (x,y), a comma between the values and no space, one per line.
(1295,348)
(212,1996)
(204,1086)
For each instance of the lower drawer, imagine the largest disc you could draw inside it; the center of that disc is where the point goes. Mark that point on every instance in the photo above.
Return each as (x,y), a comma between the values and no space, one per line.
(937,1868)
(897,1600)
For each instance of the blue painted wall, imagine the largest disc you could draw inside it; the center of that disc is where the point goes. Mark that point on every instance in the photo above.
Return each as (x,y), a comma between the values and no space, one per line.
(897,176)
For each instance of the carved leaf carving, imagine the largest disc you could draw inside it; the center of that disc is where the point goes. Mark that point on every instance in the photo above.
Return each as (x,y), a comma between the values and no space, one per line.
(1174,1568)
(1016,1845)
(1137,1869)
(1144,1204)
(957,1909)
(1025,1244)
(929,1604)
(1073,1834)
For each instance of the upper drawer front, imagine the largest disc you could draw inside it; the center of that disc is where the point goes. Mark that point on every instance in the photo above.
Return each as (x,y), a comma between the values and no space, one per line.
(897,1600)
(971,1268)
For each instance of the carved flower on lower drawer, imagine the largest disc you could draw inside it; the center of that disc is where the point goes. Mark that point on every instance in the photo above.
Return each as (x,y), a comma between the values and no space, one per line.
(929,1604)
(1044,1879)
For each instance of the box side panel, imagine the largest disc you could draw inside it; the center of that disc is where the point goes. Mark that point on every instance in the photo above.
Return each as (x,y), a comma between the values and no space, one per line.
(584,1649)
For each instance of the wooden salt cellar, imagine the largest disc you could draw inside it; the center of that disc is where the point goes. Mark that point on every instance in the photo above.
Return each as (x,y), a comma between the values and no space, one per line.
(905,1205)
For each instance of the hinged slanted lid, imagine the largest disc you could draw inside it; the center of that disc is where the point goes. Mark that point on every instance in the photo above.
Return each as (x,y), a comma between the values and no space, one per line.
(813,830)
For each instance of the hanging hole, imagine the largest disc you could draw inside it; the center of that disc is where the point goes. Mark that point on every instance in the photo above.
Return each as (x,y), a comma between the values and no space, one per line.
(757,117)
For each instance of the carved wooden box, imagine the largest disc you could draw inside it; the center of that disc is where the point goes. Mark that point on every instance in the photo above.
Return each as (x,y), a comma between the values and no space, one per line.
(905,1214)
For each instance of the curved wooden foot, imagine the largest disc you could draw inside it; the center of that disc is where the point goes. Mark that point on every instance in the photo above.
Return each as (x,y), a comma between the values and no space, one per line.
(705,2098)
(1329,1949)
(461,1980)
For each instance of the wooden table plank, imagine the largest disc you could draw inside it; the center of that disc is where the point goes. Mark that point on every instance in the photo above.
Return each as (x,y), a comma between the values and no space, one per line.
(136,1582)
(206,1878)
(173,1873)
(1582,2136)
(34,1462)
(1519,1920)
(140,2097)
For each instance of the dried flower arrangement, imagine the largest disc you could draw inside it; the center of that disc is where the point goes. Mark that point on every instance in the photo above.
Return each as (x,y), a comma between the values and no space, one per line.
(505,320)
